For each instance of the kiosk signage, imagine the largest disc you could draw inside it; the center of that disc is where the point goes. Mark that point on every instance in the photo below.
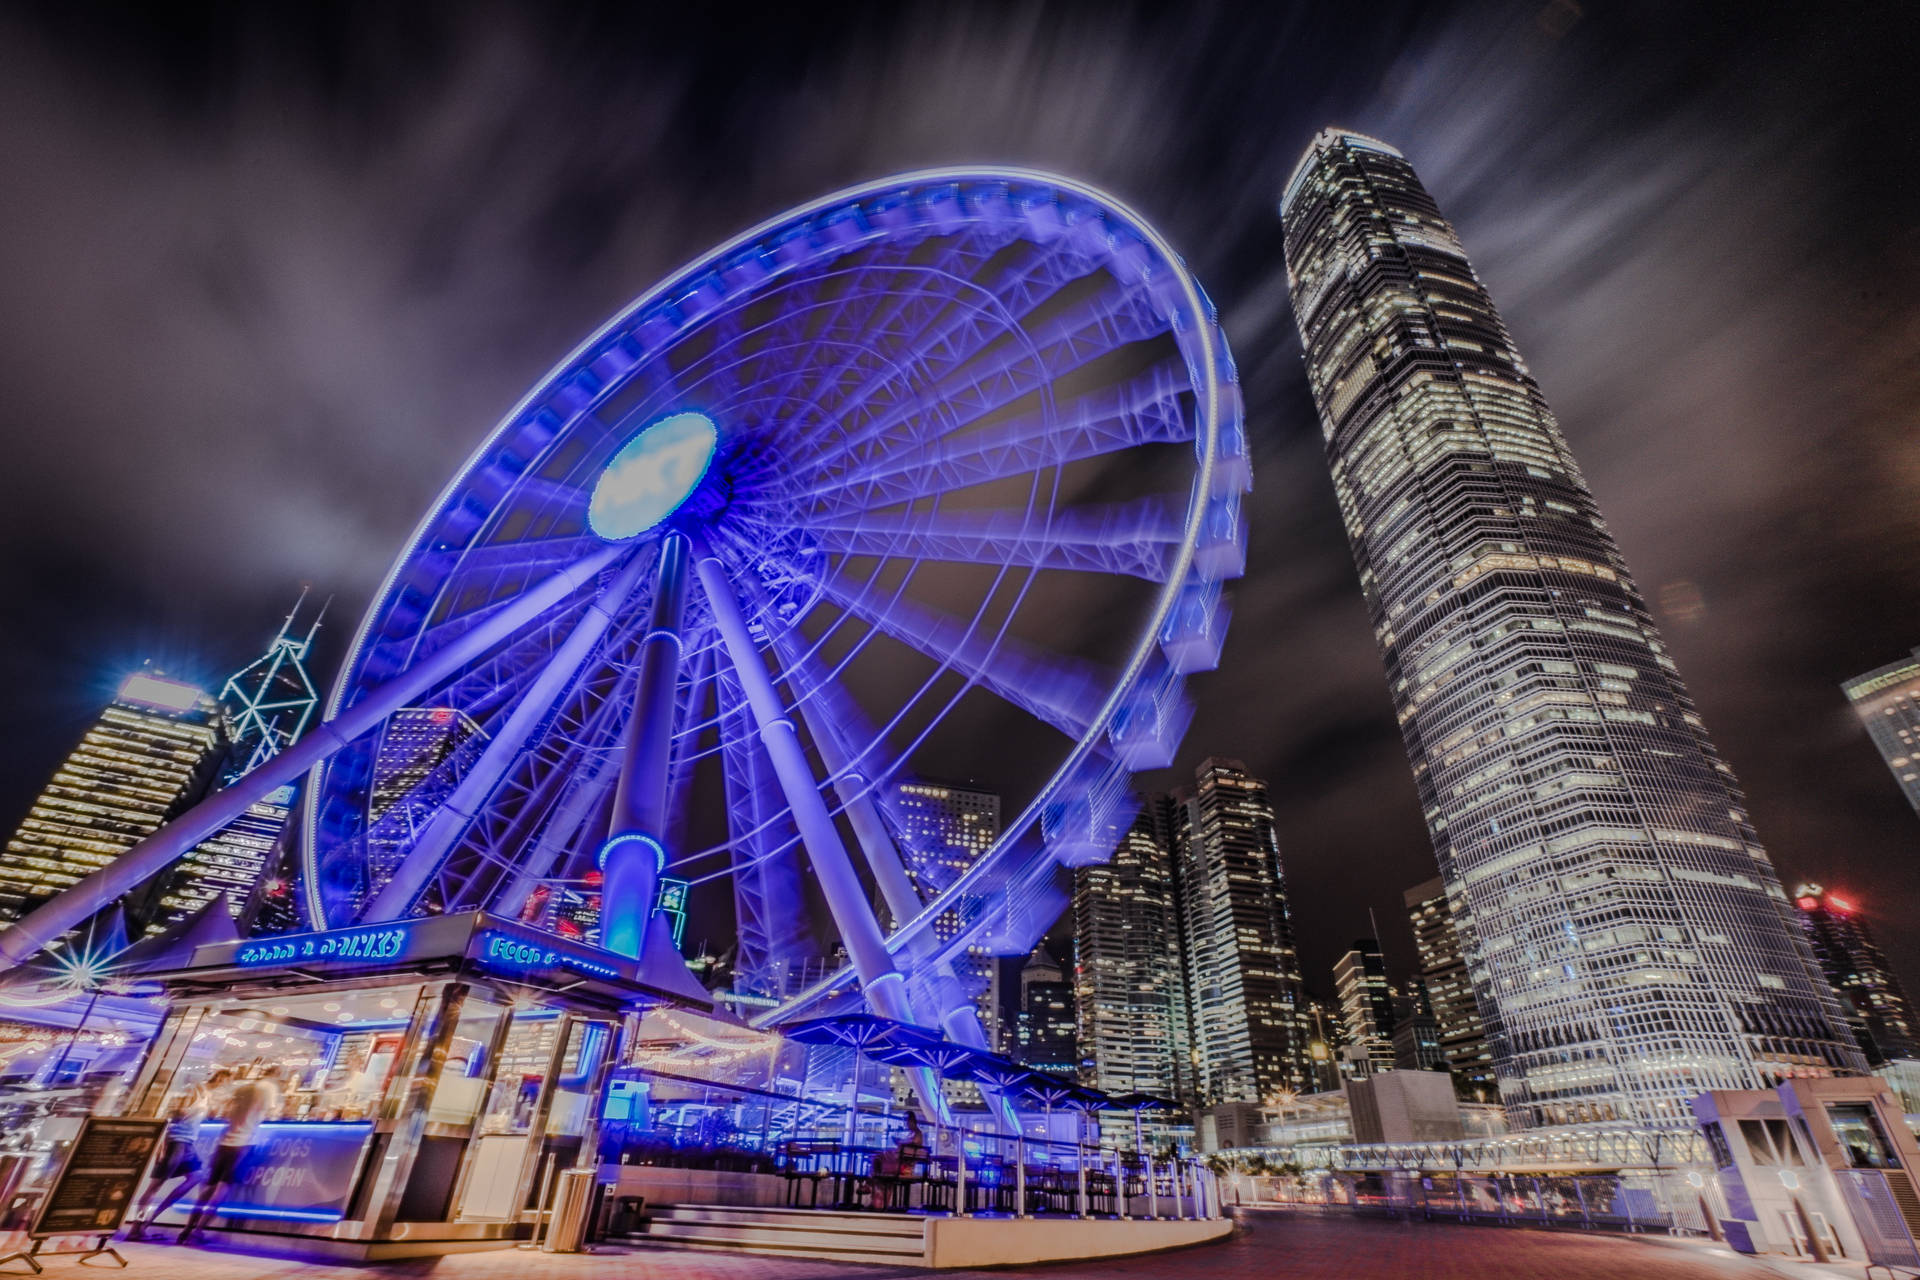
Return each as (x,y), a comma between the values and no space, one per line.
(95,1186)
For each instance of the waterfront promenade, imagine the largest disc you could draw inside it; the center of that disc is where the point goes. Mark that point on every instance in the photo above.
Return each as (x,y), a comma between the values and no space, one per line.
(1271,1245)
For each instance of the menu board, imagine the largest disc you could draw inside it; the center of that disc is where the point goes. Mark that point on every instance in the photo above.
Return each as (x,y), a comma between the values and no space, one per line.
(97,1181)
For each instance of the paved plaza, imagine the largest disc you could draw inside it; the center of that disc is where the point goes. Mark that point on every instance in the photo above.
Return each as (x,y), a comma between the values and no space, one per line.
(1273,1245)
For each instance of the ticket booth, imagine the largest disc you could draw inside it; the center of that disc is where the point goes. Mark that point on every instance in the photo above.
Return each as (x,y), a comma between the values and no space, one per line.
(436,1075)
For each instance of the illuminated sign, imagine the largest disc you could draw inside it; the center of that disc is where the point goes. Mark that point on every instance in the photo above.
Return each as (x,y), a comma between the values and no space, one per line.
(362,946)
(162,695)
(510,952)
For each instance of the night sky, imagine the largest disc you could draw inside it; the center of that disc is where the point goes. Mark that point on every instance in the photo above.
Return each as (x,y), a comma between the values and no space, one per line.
(268,279)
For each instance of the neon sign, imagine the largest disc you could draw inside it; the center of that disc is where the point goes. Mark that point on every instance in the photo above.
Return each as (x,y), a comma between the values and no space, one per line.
(363,946)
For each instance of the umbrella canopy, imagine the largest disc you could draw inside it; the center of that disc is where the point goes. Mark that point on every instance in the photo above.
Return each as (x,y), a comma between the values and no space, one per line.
(857,1031)
(1139,1102)
(912,1047)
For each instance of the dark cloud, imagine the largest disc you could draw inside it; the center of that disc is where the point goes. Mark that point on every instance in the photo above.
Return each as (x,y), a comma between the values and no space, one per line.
(270,277)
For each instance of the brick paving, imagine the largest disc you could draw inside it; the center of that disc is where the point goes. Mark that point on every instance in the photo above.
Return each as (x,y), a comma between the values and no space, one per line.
(1269,1246)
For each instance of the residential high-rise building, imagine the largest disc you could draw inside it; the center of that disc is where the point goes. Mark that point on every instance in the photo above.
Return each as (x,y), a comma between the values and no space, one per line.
(151,754)
(1443,971)
(1366,1002)
(1843,944)
(943,830)
(1888,703)
(1250,1026)
(1629,940)
(1129,976)
(1045,1032)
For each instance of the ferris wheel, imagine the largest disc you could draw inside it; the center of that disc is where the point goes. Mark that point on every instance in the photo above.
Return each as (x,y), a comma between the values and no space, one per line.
(957,451)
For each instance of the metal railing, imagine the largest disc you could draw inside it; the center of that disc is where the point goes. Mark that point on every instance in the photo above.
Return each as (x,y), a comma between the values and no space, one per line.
(856,1154)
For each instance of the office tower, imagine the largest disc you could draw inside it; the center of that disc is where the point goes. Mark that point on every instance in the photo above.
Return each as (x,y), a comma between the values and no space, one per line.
(1628,937)
(1366,1003)
(1250,1025)
(1327,1043)
(268,704)
(943,830)
(1045,1026)
(1854,964)
(150,755)
(1129,979)
(1416,1031)
(418,763)
(1449,988)
(1888,703)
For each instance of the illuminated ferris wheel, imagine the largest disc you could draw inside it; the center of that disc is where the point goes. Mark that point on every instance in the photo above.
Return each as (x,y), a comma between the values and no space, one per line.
(953,452)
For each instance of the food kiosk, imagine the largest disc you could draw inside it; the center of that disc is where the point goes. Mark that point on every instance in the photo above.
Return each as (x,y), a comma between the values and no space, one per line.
(436,1075)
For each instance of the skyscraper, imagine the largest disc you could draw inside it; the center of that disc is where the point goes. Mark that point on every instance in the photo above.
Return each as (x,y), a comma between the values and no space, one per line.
(1854,964)
(1129,977)
(1250,1023)
(268,704)
(1629,939)
(1443,968)
(415,768)
(1366,1002)
(1045,1032)
(152,752)
(943,831)
(1888,703)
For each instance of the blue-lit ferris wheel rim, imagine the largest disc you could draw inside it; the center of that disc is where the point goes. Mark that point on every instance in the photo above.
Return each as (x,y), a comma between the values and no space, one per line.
(870,214)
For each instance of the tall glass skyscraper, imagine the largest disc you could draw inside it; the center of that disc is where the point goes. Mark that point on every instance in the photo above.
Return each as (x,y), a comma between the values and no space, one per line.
(1843,944)
(1251,1029)
(152,753)
(1129,970)
(1887,701)
(1628,938)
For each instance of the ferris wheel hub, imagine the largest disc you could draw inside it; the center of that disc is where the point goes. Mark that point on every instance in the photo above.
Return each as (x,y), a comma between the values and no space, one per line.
(652,475)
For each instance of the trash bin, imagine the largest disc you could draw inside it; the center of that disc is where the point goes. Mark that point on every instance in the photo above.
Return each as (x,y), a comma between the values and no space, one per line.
(572,1205)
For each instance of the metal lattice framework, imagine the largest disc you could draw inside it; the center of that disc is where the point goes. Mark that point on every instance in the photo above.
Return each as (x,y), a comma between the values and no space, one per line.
(960,417)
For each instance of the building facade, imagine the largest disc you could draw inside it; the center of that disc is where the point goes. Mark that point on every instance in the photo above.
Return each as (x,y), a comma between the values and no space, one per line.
(1443,970)
(1045,1032)
(1888,703)
(1843,944)
(944,829)
(1251,1028)
(151,754)
(1628,938)
(422,755)
(1366,1002)
(1129,971)
(268,704)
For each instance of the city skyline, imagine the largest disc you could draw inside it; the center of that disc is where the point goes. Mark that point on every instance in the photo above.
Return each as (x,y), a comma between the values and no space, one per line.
(1821,801)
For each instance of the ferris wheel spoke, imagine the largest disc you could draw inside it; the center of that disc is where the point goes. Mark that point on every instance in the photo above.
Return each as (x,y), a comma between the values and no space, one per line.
(1017,290)
(488,557)
(396,898)
(1063,692)
(1012,365)
(1143,411)
(1138,539)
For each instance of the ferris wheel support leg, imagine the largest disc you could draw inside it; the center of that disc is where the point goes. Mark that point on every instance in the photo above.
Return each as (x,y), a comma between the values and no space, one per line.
(885,986)
(958,1016)
(132,868)
(397,896)
(635,852)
